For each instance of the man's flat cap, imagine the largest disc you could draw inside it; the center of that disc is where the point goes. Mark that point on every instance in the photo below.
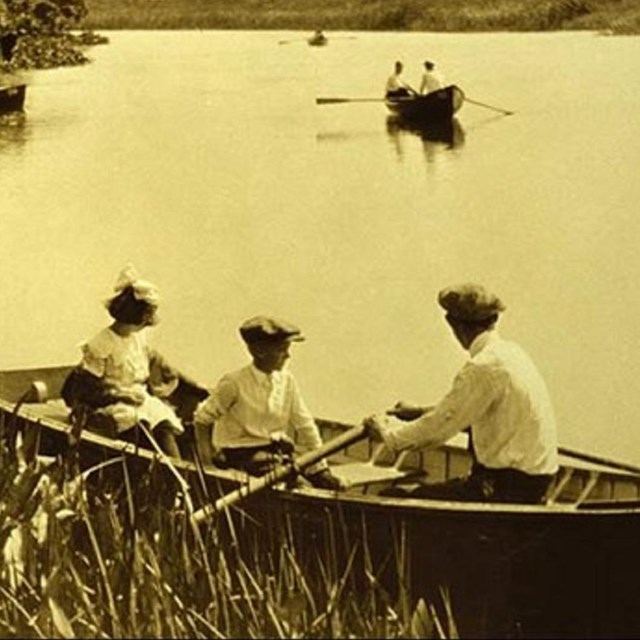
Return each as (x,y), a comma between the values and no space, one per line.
(470,302)
(267,329)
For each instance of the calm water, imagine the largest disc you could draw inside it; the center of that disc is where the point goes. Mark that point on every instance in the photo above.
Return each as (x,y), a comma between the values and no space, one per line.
(203,158)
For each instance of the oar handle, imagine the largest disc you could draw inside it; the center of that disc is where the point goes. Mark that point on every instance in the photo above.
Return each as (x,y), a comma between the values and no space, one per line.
(279,474)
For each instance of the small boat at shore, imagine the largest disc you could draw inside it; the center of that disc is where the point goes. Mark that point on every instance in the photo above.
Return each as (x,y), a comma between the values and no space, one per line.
(437,106)
(12,98)
(569,568)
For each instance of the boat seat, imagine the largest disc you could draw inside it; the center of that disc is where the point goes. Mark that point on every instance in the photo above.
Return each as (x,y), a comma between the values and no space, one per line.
(364,473)
(53,409)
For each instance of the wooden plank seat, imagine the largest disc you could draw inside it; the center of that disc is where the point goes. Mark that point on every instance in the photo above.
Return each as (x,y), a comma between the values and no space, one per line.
(371,472)
(53,409)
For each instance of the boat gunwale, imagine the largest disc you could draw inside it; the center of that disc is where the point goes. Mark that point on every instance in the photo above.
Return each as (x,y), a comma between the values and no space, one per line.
(403,106)
(413,505)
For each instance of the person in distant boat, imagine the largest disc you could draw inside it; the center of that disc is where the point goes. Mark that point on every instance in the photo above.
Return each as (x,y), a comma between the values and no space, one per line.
(500,394)
(396,87)
(120,381)
(257,414)
(431,80)
(318,38)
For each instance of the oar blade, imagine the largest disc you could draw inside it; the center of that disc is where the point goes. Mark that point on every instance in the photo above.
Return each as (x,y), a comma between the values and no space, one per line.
(331,100)
(346,100)
(489,106)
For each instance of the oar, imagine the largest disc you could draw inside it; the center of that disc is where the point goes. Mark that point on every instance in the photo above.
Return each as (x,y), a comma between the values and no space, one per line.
(281,473)
(488,106)
(342,100)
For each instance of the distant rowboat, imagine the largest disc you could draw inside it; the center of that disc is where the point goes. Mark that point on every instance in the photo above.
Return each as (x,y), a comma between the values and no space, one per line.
(12,98)
(437,106)
(566,569)
(318,39)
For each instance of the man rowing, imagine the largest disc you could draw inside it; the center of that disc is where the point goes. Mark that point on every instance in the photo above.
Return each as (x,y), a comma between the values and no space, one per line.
(396,87)
(500,395)
(431,79)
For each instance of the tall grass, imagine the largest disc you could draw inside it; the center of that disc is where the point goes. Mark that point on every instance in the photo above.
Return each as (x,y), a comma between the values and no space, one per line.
(101,554)
(365,15)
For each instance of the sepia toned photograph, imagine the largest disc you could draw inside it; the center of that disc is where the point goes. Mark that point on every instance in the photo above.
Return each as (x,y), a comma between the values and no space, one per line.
(319,319)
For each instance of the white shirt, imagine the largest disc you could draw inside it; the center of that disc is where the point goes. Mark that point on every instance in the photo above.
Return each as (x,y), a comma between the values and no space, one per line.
(249,407)
(395,82)
(502,396)
(431,81)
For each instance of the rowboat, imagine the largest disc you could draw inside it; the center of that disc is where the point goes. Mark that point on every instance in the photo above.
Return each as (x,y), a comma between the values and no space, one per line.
(437,106)
(569,568)
(318,39)
(12,98)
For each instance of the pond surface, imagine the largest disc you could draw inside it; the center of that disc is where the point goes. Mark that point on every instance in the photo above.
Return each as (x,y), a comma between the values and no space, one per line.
(203,158)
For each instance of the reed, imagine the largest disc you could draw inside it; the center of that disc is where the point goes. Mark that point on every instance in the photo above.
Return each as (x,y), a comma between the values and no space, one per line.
(367,15)
(96,554)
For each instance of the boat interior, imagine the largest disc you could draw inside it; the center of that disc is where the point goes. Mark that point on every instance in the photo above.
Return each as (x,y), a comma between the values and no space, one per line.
(584,481)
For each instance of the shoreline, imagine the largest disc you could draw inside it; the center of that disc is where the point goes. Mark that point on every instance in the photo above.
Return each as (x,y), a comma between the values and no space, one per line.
(610,17)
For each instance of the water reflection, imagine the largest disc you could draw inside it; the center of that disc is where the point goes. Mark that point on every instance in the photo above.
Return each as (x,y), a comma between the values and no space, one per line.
(435,137)
(14,131)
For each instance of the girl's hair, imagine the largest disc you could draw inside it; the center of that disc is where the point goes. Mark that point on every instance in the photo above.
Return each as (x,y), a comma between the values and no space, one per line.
(129,310)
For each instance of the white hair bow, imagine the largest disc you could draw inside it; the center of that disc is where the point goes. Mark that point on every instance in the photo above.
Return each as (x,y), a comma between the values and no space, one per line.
(142,289)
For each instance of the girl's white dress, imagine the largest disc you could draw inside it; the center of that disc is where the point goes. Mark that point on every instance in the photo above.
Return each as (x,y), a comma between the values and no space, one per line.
(122,363)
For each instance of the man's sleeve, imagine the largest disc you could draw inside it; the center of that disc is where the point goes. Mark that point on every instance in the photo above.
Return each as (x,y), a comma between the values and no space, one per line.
(470,395)
(307,435)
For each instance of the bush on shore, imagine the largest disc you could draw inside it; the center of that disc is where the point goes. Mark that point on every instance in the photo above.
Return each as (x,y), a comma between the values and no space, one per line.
(37,33)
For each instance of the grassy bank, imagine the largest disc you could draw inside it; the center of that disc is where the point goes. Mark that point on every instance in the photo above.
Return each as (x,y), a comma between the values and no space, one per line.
(617,16)
(107,554)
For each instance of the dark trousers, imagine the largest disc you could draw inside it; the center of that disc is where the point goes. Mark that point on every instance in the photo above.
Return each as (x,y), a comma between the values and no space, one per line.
(488,485)
(399,93)
(256,461)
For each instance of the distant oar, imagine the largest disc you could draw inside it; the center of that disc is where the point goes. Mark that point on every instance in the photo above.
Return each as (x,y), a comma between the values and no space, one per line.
(488,106)
(294,40)
(342,100)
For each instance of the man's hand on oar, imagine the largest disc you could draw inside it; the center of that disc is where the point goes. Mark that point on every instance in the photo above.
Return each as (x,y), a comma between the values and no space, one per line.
(376,426)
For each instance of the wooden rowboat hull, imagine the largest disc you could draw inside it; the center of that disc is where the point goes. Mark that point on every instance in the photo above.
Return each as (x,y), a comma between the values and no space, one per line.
(438,106)
(567,569)
(12,98)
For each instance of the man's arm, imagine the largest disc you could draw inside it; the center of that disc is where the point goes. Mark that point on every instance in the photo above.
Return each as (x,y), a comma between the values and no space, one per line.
(221,399)
(468,399)
(307,437)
